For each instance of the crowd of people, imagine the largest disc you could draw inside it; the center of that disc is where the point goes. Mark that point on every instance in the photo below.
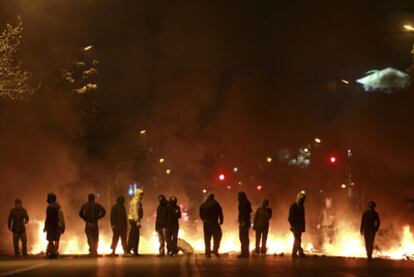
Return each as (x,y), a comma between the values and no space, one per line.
(167,225)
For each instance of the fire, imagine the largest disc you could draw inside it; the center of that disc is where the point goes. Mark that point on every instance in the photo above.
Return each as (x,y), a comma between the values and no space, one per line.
(347,243)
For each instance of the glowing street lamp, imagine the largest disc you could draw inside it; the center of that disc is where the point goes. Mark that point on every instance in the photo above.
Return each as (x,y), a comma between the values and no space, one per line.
(408,28)
(87,48)
(162,160)
(143,132)
(318,140)
(345,82)
(269,159)
(168,171)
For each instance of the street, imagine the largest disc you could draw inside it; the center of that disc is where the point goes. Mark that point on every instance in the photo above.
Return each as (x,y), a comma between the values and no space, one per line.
(198,265)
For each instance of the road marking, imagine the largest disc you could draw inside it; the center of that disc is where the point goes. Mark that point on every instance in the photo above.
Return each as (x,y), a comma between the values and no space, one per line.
(21,270)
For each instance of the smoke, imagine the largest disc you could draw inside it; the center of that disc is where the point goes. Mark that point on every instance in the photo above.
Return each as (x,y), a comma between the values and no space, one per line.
(213,90)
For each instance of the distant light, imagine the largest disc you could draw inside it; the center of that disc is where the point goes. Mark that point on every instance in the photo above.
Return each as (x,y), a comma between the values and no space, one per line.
(143,132)
(204,191)
(306,150)
(345,82)
(228,187)
(343,186)
(332,159)
(222,177)
(235,169)
(162,160)
(87,48)
(259,187)
(409,28)
(240,183)
(168,171)
(318,140)
(269,159)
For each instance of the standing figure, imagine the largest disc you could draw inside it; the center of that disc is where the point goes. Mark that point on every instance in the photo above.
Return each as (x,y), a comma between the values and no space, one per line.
(136,213)
(370,224)
(161,222)
(61,228)
(119,224)
(18,218)
(211,214)
(52,226)
(91,212)
(173,215)
(261,225)
(297,223)
(245,209)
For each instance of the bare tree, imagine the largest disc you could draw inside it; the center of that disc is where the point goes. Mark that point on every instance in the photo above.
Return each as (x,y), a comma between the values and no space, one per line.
(15,82)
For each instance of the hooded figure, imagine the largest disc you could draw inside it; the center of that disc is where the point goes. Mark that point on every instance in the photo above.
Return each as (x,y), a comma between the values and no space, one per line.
(173,215)
(370,224)
(211,214)
(16,222)
(135,215)
(261,225)
(297,223)
(161,222)
(91,212)
(119,224)
(245,209)
(52,226)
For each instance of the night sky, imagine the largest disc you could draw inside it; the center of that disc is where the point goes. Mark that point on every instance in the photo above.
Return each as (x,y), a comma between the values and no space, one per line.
(215,84)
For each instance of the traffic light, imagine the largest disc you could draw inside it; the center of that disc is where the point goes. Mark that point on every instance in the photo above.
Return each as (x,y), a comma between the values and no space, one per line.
(332,159)
(222,177)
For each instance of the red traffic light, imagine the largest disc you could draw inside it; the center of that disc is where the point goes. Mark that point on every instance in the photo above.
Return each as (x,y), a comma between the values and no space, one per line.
(221,177)
(332,159)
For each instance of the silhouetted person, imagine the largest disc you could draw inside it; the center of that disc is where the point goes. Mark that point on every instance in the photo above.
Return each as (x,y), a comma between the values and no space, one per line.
(136,213)
(161,222)
(91,212)
(370,224)
(119,224)
(52,226)
(245,209)
(297,223)
(16,222)
(211,214)
(61,228)
(173,215)
(261,225)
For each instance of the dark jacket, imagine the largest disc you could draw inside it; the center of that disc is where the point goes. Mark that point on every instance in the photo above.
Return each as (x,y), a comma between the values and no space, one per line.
(245,209)
(161,220)
(18,217)
(119,216)
(370,222)
(173,214)
(52,221)
(91,212)
(211,212)
(297,217)
(262,217)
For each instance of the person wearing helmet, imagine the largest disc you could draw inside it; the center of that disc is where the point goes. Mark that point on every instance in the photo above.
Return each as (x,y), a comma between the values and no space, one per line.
(91,212)
(135,215)
(370,224)
(297,223)
(119,224)
(261,226)
(245,209)
(161,222)
(173,215)
(211,214)
(17,220)
(52,226)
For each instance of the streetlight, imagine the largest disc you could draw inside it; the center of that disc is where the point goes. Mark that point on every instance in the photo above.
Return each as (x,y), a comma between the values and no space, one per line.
(87,48)
(408,28)
(318,140)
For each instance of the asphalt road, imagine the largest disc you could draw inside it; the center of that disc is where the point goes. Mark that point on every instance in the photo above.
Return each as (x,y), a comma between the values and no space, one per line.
(198,265)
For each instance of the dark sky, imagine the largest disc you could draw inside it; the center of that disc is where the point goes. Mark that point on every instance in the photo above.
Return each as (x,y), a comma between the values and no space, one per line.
(237,78)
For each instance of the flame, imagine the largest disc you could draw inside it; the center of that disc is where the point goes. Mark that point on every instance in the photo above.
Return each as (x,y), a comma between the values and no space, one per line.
(348,243)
